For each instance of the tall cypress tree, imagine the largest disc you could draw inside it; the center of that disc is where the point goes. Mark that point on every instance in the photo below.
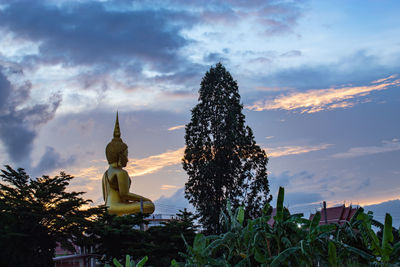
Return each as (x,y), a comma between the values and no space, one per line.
(221,158)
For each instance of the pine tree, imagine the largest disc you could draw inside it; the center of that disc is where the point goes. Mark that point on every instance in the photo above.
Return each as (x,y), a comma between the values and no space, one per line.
(221,158)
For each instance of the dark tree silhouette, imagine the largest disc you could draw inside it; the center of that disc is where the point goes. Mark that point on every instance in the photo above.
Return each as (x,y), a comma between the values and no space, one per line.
(167,239)
(35,214)
(117,236)
(221,157)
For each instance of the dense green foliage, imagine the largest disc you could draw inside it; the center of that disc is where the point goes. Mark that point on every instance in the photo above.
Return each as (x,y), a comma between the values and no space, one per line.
(129,262)
(117,236)
(294,241)
(221,158)
(167,239)
(35,214)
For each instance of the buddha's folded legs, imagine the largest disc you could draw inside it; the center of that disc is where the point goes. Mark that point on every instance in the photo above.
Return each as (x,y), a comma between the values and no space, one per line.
(129,208)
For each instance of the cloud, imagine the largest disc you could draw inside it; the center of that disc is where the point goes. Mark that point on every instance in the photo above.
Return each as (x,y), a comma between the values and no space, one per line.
(85,33)
(93,172)
(215,57)
(176,127)
(356,69)
(179,95)
(380,209)
(273,89)
(51,160)
(153,164)
(293,150)
(135,166)
(323,99)
(142,49)
(291,53)
(295,199)
(273,17)
(387,146)
(19,121)
(172,204)
(5,89)
(285,178)
(302,198)
(276,17)
(168,187)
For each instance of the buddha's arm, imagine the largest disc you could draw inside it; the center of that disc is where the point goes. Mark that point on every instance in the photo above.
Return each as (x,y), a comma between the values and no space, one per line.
(104,188)
(123,186)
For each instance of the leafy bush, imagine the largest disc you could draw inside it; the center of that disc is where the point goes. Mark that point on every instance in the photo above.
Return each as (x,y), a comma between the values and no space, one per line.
(129,262)
(294,241)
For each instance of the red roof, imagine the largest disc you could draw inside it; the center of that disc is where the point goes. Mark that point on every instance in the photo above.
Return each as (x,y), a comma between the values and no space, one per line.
(338,214)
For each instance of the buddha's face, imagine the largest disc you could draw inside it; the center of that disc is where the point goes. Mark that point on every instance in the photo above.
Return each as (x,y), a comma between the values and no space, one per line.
(123,159)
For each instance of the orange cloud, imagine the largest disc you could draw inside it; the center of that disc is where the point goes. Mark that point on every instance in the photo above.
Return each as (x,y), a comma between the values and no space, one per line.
(176,127)
(168,187)
(323,99)
(293,150)
(92,172)
(137,167)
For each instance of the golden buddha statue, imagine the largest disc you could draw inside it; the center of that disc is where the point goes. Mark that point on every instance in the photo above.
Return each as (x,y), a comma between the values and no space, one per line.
(116,181)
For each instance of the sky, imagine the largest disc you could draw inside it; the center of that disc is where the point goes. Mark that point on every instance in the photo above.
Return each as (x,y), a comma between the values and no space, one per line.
(319,82)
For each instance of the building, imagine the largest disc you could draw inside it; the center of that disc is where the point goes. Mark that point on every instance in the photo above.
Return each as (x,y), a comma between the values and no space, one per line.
(82,257)
(157,220)
(338,214)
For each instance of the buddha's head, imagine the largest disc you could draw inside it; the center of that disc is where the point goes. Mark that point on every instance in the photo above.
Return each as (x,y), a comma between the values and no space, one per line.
(117,150)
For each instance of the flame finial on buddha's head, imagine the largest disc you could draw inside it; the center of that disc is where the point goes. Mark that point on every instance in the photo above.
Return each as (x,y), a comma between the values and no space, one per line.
(116,147)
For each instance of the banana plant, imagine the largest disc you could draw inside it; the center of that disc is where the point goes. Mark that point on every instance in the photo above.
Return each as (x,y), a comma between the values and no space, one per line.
(269,240)
(332,255)
(312,244)
(349,243)
(384,251)
(294,241)
(200,254)
(129,262)
(312,249)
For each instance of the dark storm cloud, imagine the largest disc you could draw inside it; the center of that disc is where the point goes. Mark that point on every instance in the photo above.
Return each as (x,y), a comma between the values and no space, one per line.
(112,35)
(215,57)
(51,160)
(5,89)
(18,126)
(91,33)
(190,74)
